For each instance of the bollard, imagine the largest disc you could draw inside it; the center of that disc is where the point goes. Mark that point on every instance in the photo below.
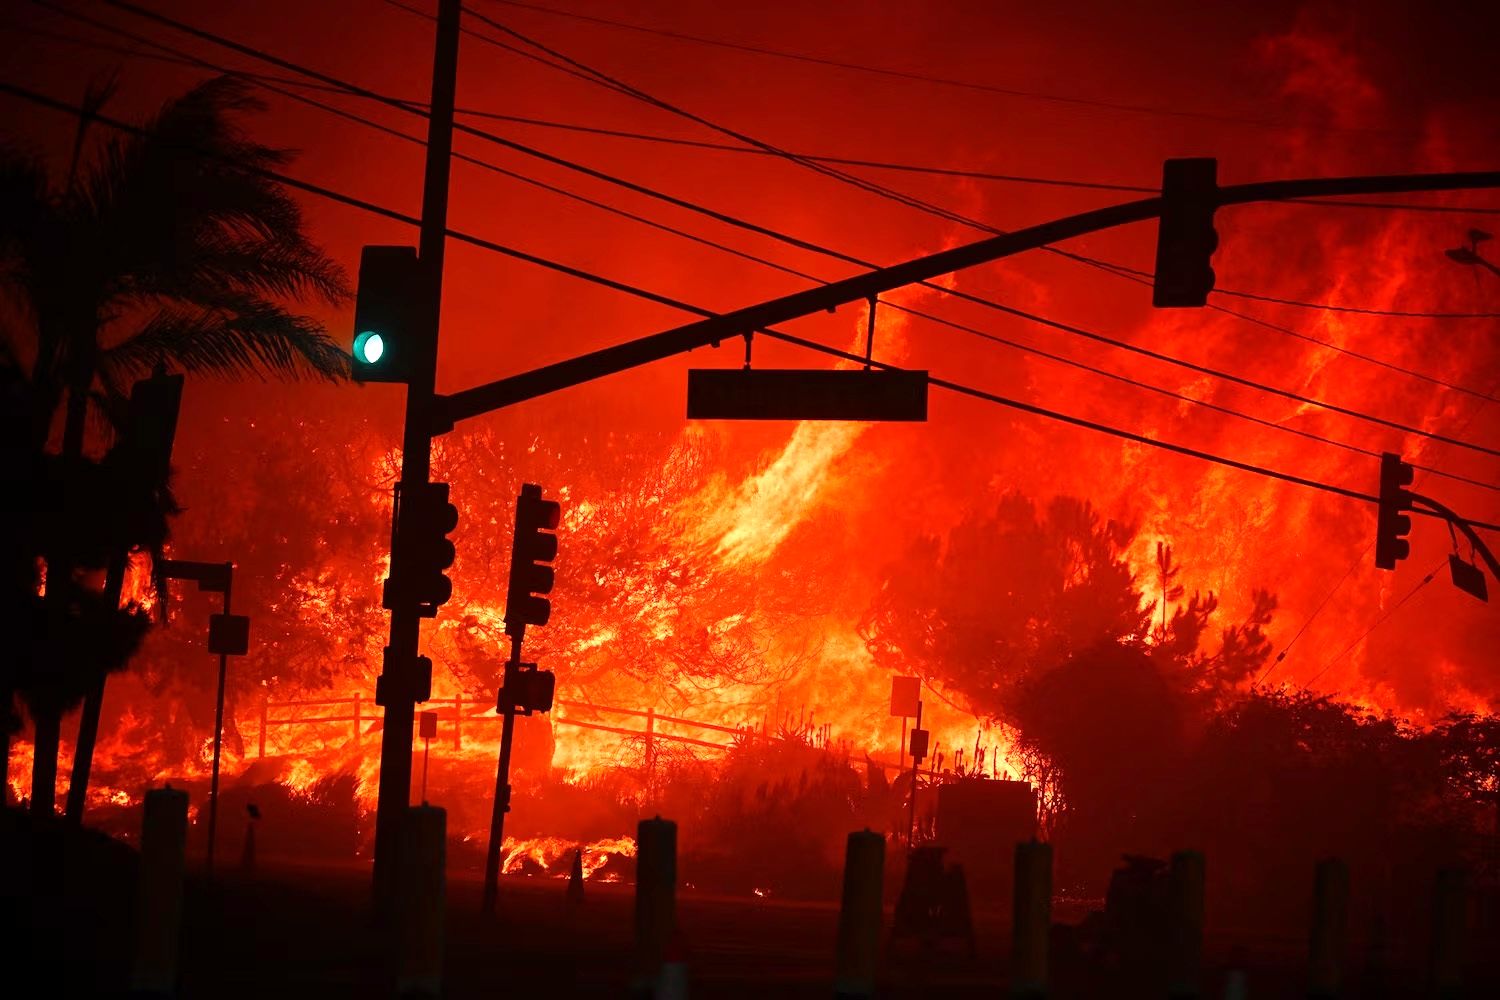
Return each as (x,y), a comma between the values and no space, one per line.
(159,923)
(859,915)
(421,891)
(1185,927)
(575,878)
(1329,929)
(247,856)
(1450,908)
(1032,916)
(655,894)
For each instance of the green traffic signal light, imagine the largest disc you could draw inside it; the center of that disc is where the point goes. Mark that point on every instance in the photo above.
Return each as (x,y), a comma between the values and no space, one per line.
(369,347)
(389,337)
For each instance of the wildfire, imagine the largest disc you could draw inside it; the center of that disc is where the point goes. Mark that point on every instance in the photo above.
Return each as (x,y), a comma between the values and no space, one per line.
(659,665)
(553,856)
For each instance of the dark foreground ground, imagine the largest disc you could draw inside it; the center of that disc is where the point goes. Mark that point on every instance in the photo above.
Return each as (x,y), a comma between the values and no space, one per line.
(305,931)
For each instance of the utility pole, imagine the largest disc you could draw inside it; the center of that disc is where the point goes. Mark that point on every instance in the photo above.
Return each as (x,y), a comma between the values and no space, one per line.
(396,693)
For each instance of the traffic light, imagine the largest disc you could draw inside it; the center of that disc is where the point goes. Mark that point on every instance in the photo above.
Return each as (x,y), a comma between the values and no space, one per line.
(1185,236)
(531,549)
(388,335)
(1391,525)
(526,689)
(423,552)
(403,682)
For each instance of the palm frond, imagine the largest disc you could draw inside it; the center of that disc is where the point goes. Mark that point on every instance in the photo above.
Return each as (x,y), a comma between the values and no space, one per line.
(252,338)
(169,203)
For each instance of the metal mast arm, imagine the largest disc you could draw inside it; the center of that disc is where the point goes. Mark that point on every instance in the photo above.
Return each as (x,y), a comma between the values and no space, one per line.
(448,410)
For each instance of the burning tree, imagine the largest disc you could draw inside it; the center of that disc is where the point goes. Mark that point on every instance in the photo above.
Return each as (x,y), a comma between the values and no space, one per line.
(1034,617)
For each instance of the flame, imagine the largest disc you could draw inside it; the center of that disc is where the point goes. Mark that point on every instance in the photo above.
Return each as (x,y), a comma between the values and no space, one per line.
(554,855)
(664,525)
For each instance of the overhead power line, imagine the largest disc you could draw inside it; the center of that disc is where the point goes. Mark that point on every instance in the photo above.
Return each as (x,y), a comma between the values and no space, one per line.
(340,112)
(1144,278)
(625,88)
(648,137)
(724,147)
(1359,310)
(1145,109)
(772,233)
(349,200)
(574,66)
(1378,622)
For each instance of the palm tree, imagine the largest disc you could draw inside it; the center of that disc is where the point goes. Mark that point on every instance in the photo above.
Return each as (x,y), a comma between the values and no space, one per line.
(171,245)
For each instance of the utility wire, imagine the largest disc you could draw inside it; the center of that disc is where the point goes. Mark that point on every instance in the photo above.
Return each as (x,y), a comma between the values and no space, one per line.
(1145,278)
(956,387)
(617,85)
(589,129)
(1378,622)
(943,81)
(817,163)
(202,63)
(771,233)
(266,83)
(966,390)
(1315,612)
(1358,310)
(774,234)
(973,174)
(180,55)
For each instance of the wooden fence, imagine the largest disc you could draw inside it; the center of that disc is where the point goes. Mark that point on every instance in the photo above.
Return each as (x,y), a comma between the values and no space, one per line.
(357,711)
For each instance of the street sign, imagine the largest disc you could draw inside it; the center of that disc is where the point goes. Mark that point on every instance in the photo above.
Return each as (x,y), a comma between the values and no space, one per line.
(1468,577)
(918,744)
(229,635)
(427,727)
(905,693)
(806,394)
(210,577)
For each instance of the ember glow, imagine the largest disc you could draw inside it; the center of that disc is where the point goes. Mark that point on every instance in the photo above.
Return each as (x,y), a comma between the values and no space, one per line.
(713,579)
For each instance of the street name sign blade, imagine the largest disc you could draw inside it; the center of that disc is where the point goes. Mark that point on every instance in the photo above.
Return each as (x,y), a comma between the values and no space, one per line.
(229,635)
(1468,577)
(210,577)
(806,394)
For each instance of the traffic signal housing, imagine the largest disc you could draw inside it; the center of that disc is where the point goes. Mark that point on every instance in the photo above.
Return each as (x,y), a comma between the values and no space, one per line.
(1391,525)
(389,341)
(533,547)
(1185,236)
(403,681)
(526,689)
(423,553)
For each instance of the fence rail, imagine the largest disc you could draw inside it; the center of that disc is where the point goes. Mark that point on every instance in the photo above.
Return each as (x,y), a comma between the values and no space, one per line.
(453,709)
(455,713)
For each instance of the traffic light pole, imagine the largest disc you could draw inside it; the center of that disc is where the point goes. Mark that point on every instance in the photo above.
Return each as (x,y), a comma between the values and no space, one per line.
(213,786)
(714,328)
(501,804)
(399,667)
